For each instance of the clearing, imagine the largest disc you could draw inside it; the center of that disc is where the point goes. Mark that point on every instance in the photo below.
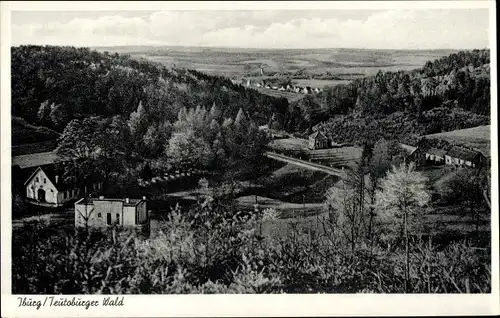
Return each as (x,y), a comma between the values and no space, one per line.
(476,137)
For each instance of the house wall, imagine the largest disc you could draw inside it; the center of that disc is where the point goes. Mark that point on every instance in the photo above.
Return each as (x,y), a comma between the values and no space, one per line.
(311,143)
(458,161)
(90,215)
(68,195)
(41,182)
(434,158)
(129,215)
(114,208)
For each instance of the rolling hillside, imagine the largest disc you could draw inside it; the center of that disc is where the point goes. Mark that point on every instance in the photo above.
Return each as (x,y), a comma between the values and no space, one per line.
(476,137)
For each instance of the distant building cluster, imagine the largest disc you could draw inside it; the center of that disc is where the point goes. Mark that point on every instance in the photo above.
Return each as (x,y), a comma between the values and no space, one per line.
(287,88)
(456,155)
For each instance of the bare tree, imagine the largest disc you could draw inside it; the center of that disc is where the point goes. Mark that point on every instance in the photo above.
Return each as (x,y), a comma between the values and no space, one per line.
(86,215)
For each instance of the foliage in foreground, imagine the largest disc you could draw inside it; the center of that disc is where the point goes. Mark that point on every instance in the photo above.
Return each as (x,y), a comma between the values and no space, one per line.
(207,250)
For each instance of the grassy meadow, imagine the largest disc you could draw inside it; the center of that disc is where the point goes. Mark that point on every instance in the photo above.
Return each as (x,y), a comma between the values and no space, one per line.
(476,137)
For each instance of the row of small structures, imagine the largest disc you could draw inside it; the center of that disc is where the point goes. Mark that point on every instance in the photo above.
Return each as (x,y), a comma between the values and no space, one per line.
(174,175)
(287,88)
(456,155)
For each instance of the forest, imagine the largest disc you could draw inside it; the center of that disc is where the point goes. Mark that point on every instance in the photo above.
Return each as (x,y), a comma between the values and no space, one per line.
(53,85)
(435,98)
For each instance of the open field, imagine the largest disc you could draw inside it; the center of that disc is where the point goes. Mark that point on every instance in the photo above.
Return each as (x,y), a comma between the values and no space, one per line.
(291,96)
(344,63)
(343,156)
(289,144)
(476,137)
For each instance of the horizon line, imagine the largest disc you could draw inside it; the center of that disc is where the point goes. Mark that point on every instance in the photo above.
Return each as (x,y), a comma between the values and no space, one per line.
(253,48)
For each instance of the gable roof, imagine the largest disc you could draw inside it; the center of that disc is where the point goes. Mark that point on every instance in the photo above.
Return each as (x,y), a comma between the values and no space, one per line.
(408,148)
(316,135)
(436,152)
(37,159)
(463,153)
(51,172)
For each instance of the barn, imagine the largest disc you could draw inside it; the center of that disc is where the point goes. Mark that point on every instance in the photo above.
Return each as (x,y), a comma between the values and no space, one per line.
(318,140)
(46,186)
(414,154)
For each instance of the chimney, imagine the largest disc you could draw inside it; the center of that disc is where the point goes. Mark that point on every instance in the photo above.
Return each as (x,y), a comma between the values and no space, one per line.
(57,179)
(144,198)
(127,200)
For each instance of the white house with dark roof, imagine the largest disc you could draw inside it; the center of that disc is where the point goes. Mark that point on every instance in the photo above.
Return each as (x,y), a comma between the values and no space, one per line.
(103,212)
(46,186)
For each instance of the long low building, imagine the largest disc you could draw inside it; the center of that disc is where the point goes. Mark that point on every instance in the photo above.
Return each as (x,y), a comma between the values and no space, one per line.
(456,155)
(464,156)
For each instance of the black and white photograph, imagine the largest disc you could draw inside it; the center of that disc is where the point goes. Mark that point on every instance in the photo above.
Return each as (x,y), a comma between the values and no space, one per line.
(250,151)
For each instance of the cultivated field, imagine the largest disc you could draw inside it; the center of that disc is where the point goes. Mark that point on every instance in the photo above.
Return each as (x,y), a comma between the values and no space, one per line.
(476,137)
(343,63)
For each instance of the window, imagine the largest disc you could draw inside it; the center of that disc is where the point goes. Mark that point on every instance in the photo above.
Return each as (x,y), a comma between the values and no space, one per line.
(44,180)
(99,215)
(36,179)
(117,218)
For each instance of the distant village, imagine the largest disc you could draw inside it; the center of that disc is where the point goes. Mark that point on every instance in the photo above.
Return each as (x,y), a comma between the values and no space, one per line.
(287,88)
(283,88)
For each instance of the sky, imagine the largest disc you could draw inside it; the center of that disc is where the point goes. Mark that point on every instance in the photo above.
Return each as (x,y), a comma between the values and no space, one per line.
(289,29)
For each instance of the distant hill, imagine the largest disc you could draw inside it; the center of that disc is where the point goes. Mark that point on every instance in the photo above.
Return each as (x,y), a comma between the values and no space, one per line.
(446,94)
(238,62)
(53,85)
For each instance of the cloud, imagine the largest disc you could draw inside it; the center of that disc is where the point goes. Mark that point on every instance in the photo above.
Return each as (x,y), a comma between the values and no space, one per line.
(410,29)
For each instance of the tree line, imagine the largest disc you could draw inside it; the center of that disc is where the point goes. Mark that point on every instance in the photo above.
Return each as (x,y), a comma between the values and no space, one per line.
(458,83)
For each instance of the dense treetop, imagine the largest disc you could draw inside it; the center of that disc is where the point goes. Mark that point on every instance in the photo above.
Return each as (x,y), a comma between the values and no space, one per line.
(52,85)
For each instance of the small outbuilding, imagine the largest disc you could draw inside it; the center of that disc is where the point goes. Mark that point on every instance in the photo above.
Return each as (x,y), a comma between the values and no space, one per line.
(318,140)
(103,212)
